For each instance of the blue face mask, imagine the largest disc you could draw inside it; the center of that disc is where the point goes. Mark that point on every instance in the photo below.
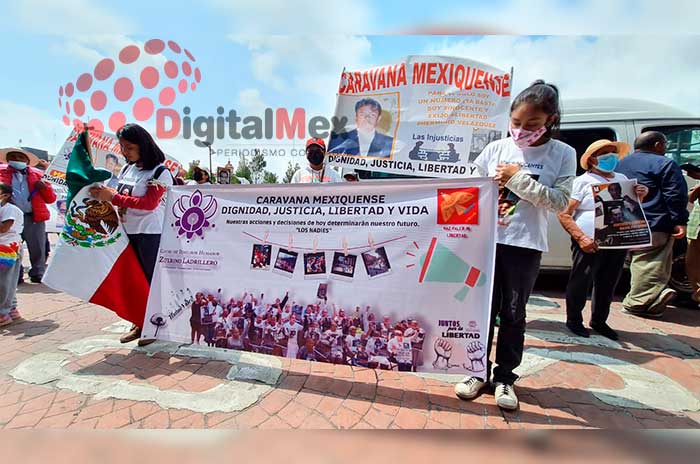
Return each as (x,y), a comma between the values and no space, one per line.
(19,165)
(607,163)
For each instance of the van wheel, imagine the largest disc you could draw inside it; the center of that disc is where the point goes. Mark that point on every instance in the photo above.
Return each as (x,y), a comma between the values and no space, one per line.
(679,279)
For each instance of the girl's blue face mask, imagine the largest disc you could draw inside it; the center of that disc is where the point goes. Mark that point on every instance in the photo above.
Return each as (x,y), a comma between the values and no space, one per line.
(607,163)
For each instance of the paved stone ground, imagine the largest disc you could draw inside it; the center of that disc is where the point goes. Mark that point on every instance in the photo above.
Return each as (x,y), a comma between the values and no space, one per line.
(64,367)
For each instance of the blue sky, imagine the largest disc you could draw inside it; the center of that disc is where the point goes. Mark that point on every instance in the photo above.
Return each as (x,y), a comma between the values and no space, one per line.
(289,54)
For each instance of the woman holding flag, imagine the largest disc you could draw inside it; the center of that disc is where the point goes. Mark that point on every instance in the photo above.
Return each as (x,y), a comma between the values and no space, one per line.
(139,197)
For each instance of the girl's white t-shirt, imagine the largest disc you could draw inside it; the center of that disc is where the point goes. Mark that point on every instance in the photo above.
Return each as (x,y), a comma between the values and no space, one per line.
(546,163)
(583,193)
(133,182)
(11,212)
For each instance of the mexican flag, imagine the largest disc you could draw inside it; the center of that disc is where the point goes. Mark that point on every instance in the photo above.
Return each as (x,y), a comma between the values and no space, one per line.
(93,259)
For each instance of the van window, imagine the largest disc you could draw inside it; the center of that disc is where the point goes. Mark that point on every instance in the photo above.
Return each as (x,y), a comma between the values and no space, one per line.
(683,143)
(580,139)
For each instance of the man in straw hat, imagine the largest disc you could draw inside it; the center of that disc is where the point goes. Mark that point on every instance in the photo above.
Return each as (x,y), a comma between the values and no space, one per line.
(30,194)
(602,268)
(666,211)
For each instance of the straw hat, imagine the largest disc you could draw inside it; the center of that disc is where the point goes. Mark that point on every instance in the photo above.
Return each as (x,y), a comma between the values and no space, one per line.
(621,148)
(33,159)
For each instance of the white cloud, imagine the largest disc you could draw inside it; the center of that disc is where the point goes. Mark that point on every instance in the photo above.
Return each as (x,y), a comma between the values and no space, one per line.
(658,68)
(264,17)
(566,18)
(250,102)
(301,47)
(36,128)
(84,30)
(305,65)
(69,17)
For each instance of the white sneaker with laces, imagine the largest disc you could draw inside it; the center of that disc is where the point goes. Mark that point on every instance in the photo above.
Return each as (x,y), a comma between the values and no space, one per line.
(505,396)
(469,388)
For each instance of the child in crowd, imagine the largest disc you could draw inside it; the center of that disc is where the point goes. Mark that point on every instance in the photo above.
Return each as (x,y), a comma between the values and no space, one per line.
(11,222)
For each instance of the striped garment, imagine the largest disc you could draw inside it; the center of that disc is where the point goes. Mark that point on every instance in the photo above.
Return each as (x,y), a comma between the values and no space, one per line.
(9,255)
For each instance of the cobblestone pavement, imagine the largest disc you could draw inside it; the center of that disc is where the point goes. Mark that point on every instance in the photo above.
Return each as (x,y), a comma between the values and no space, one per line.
(64,368)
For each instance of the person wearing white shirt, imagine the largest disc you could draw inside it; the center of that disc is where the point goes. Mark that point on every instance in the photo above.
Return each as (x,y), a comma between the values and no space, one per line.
(140,196)
(227,320)
(11,223)
(352,341)
(292,329)
(270,335)
(591,265)
(417,336)
(317,171)
(286,314)
(334,338)
(400,350)
(260,309)
(235,340)
(535,173)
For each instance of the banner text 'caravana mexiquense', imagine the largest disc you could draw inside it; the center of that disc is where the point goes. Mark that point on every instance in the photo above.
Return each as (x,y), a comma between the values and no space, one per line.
(458,75)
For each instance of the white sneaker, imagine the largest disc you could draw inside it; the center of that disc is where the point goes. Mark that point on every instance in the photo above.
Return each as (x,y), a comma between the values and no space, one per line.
(658,307)
(469,388)
(505,396)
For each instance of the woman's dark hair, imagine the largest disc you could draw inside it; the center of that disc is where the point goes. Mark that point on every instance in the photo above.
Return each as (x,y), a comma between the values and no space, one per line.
(545,97)
(199,173)
(5,189)
(149,153)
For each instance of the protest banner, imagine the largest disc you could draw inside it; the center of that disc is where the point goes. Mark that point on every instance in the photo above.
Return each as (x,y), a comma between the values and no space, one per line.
(394,275)
(619,218)
(106,153)
(427,116)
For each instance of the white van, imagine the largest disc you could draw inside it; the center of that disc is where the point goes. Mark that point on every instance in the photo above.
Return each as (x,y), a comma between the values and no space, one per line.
(585,121)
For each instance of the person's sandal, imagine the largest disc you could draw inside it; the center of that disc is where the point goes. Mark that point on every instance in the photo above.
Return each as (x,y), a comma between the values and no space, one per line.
(132,335)
(145,341)
(15,315)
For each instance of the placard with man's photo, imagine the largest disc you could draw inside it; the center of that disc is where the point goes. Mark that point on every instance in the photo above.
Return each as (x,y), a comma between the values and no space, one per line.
(619,220)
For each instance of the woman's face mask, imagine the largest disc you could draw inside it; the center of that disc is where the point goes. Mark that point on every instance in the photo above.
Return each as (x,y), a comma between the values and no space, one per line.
(19,165)
(607,162)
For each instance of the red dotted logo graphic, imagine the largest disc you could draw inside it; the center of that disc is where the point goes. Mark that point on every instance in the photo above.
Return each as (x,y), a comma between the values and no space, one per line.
(131,86)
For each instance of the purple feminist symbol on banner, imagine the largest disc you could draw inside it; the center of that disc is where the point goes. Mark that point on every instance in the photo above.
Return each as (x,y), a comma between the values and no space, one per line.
(193,214)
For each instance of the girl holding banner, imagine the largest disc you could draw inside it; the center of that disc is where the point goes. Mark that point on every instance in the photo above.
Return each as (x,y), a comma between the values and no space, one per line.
(601,267)
(142,185)
(537,171)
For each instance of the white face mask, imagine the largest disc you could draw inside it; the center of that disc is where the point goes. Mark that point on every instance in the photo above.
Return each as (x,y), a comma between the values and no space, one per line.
(524,138)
